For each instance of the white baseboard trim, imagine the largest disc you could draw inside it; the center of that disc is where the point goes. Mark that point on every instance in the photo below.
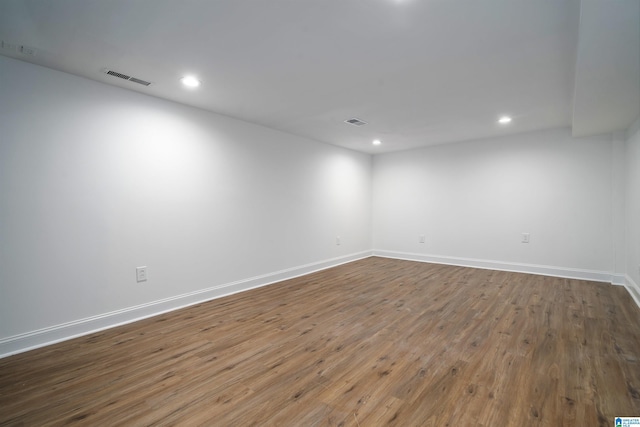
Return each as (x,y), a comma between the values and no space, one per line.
(51,335)
(545,270)
(633,289)
(618,279)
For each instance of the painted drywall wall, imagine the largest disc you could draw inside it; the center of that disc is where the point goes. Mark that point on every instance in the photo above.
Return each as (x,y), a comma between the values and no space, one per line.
(473,200)
(632,207)
(618,204)
(96,180)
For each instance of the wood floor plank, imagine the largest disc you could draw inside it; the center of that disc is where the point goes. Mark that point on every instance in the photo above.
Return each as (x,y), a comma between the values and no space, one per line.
(373,342)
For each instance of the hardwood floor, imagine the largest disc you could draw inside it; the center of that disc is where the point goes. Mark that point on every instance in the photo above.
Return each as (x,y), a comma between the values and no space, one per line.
(373,342)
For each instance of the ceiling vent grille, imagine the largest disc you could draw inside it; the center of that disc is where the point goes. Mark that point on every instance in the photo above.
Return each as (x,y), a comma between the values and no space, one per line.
(126,77)
(356,122)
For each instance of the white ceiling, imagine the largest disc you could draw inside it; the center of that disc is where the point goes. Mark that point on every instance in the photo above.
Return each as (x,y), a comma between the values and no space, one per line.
(420,72)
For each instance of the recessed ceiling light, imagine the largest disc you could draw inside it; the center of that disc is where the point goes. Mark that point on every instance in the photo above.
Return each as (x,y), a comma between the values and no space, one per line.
(190,81)
(504,120)
(376,142)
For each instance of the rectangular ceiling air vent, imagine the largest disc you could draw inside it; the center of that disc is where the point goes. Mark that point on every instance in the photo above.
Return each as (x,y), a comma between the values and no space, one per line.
(356,122)
(126,77)
(23,49)
(142,82)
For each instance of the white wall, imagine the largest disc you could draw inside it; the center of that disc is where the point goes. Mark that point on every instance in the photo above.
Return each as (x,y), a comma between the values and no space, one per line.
(472,200)
(96,180)
(618,197)
(632,187)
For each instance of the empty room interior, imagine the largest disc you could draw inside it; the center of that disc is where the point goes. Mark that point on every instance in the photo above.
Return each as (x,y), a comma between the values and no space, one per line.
(314,213)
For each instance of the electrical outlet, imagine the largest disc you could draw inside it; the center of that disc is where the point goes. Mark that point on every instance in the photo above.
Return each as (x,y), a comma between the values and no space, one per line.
(421,238)
(141,274)
(525,237)
(338,240)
